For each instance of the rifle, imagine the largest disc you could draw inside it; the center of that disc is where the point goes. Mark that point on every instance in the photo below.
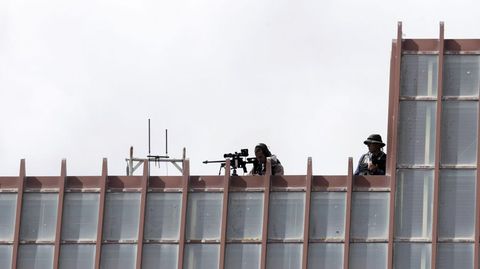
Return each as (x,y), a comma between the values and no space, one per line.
(237,160)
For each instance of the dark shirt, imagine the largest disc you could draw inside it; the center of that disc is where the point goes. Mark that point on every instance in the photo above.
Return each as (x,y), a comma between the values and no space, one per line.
(379,159)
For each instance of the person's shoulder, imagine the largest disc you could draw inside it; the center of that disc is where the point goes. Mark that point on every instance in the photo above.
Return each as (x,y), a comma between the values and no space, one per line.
(274,159)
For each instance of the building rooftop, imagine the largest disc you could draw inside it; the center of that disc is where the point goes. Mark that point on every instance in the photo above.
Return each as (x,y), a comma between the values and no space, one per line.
(424,213)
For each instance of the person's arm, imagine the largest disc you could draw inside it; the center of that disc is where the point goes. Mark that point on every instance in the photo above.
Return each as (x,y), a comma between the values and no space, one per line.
(375,170)
(253,172)
(277,170)
(379,167)
(357,171)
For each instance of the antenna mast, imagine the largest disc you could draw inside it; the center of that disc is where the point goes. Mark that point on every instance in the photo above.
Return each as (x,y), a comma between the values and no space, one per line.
(131,167)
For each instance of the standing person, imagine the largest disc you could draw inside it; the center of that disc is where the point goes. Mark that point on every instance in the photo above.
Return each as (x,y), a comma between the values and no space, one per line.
(373,162)
(261,154)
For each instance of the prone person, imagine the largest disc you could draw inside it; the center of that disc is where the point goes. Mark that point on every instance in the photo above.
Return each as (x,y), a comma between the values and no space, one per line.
(261,154)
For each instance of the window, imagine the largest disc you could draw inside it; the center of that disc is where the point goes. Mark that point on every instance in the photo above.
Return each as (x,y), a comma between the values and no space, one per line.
(77,256)
(327,215)
(118,256)
(414,204)
(416,133)
(245,215)
(204,216)
(459,132)
(325,256)
(35,256)
(368,256)
(284,256)
(455,255)
(8,204)
(39,216)
(456,204)
(163,216)
(122,216)
(242,256)
(201,256)
(419,75)
(412,255)
(461,75)
(286,216)
(80,216)
(370,215)
(164,254)
(6,256)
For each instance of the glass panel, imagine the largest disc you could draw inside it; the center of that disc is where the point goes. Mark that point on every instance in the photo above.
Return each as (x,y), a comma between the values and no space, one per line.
(286,215)
(156,254)
(245,215)
(118,256)
(457,204)
(408,255)
(327,215)
(77,256)
(35,257)
(419,75)
(459,132)
(370,215)
(461,75)
(80,216)
(204,215)
(39,216)
(452,255)
(8,206)
(325,256)
(416,133)
(243,256)
(201,256)
(368,256)
(414,204)
(284,256)
(122,215)
(163,216)
(6,256)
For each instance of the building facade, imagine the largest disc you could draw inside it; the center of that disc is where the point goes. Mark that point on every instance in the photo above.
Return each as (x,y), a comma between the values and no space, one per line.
(422,214)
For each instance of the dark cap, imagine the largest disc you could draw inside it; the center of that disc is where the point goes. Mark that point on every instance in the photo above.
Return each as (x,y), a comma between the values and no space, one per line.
(374,139)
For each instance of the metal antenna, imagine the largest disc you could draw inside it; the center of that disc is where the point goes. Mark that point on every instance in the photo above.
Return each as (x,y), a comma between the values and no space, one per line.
(157,159)
(148,136)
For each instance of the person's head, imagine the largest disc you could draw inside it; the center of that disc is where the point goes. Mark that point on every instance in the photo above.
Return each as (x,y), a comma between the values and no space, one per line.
(262,152)
(374,143)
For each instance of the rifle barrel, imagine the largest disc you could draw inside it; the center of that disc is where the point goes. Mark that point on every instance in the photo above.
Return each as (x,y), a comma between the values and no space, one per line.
(206,162)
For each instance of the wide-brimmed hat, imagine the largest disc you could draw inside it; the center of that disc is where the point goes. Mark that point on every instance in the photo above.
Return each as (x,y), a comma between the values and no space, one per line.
(374,139)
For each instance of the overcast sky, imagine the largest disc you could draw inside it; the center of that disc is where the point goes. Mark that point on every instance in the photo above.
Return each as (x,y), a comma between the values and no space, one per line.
(80,78)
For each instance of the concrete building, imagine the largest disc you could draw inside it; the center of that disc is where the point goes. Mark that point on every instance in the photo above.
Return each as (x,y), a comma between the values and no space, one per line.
(424,213)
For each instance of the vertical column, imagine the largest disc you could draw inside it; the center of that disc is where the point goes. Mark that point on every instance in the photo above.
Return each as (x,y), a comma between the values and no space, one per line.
(266,201)
(143,199)
(477,199)
(103,189)
(306,224)
(223,231)
(346,249)
(61,195)
(18,213)
(183,219)
(437,146)
(393,115)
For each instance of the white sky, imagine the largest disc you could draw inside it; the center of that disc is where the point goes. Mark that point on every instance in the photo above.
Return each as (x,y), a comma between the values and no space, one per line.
(80,78)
